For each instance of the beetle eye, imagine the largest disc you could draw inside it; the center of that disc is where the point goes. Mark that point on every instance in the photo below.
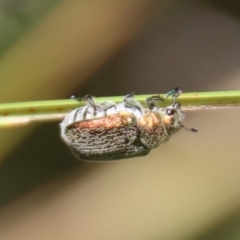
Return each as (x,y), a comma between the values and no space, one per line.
(170,112)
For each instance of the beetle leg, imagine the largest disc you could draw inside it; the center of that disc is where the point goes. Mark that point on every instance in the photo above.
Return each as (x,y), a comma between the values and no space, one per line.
(130,102)
(151,101)
(105,106)
(174,93)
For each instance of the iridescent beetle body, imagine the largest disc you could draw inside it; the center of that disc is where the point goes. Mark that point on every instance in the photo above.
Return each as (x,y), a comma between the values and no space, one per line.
(109,131)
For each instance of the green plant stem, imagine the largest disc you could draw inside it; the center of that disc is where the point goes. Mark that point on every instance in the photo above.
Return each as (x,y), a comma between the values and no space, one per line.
(12,114)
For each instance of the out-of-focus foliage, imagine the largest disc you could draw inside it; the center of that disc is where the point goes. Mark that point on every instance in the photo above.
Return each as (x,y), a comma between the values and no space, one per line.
(19,16)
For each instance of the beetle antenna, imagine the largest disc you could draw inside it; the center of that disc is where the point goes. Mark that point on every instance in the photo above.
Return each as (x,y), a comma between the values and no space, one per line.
(189,129)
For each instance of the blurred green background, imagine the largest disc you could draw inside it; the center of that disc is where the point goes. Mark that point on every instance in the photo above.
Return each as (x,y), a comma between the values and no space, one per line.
(188,188)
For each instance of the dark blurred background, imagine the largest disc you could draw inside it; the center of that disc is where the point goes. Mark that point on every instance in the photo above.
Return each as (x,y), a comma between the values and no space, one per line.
(188,188)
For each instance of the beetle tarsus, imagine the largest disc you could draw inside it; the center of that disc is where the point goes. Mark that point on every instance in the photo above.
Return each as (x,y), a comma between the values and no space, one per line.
(174,93)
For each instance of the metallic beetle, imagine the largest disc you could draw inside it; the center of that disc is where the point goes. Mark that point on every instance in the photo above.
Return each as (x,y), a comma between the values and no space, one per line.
(110,131)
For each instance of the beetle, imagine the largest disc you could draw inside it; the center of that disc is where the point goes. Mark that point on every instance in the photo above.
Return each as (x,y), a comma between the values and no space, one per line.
(110,131)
